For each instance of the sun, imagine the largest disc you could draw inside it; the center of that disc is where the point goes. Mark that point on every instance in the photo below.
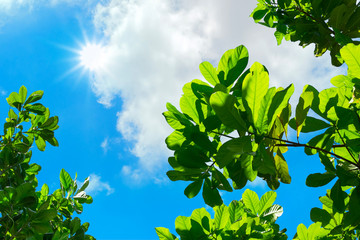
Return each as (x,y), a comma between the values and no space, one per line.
(92,56)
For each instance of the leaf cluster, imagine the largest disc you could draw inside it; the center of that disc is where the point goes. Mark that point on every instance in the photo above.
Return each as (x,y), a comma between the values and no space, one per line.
(236,129)
(27,213)
(249,218)
(228,133)
(329,24)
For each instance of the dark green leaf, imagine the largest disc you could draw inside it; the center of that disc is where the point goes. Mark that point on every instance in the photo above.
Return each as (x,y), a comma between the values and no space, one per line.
(225,107)
(320,215)
(191,157)
(282,168)
(35,96)
(37,108)
(310,125)
(233,149)
(211,195)
(33,169)
(337,196)
(194,188)
(319,179)
(45,215)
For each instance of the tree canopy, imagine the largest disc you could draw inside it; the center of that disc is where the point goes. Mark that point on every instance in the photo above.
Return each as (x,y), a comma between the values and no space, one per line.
(233,128)
(28,213)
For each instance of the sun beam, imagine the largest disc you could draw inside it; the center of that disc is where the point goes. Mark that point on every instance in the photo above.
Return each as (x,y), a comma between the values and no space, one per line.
(92,56)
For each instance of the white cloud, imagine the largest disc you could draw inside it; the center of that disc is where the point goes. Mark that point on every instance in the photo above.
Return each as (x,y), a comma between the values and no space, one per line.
(96,186)
(156,46)
(105,145)
(10,6)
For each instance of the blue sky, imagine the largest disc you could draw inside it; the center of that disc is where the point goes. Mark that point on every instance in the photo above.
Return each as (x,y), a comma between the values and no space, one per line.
(111,126)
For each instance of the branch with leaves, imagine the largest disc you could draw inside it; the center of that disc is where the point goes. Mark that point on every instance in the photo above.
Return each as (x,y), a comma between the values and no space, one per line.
(238,104)
(27,213)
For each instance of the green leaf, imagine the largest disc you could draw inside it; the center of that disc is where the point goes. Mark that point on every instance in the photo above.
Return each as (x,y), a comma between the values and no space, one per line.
(175,118)
(51,123)
(33,169)
(45,190)
(319,179)
(246,161)
(191,157)
(266,201)
(302,109)
(273,212)
(351,55)
(221,180)
(183,227)
(40,143)
(254,88)
(186,175)
(221,218)
(353,216)
(233,149)
(164,234)
(282,168)
(194,188)
(200,223)
(45,215)
(225,107)
(84,185)
(211,195)
(75,225)
(35,96)
(322,141)
(236,209)
(14,100)
(251,201)
(192,107)
(337,196)
(310,124)
(37,108)
(278,103)
(232,64)
(175,140)
(23,93)
(41,227)
(65,179)
(320,215)
(342,81)
(262,123)
(209,73)
(302,232)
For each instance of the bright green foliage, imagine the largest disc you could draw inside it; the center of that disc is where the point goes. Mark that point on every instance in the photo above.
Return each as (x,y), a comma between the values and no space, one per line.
(230,134)
(28,213)
(245,107)
(248,218)
(329,24)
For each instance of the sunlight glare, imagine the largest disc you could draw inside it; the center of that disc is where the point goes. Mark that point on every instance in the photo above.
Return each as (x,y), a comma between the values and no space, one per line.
(92,56)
